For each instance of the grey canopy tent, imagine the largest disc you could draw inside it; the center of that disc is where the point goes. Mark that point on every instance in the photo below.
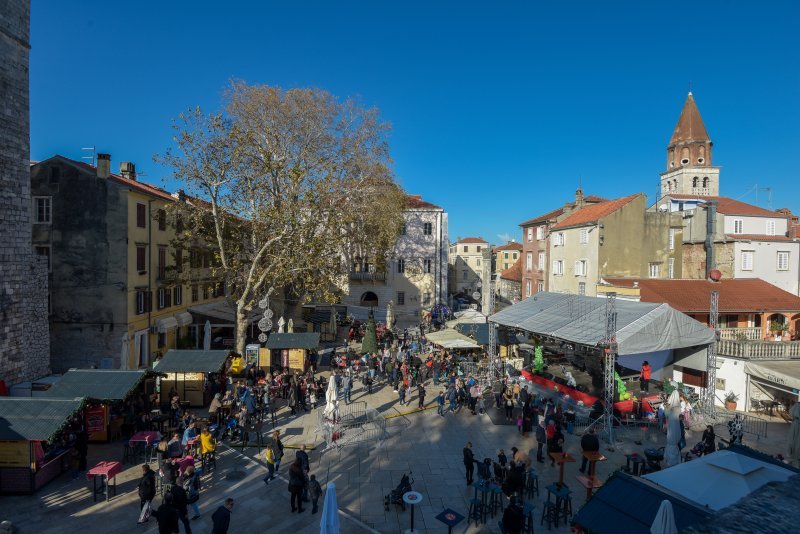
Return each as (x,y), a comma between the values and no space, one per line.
(191,361)
(99,384)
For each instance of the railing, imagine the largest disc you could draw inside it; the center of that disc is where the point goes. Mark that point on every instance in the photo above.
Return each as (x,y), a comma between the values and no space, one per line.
(741,334)
(373,277)
(760,350)
(753,425)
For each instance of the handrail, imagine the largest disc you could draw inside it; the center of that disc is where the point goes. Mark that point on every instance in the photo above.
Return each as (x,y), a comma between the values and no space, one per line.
(759,350)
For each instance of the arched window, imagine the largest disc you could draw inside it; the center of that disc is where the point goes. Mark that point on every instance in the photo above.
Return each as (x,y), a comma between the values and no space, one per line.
(369,299)
(705,181)
(694,181)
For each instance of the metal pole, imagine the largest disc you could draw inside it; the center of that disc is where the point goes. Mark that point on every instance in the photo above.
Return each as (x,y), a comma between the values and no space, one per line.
(610,361)
(709,393)
(492,334)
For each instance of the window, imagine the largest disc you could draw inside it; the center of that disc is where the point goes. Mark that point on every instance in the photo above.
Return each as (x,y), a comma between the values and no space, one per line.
(464,274)
(43,208)
(539,287)
(558,240)
(529,261)
(738,225)
(558,267)
(514,256)
(479,248)
(671,268)
(162,263)
(141,258)
(427,229)
(654,270)
(505,255)
(403,229)
(194,258)
(143,302)
(672,239)
(428,266)
(783,260)
(177,295)
(530,234)
(179,260)
(178,223)
(161,339)
(478,262)
(162,298)
(141,218)
(540,232)
(771,227)
(581,288)
(162,220)
(747,260)
(44,250)
(527,288)
(195,293)
(426,299)
(401,298)
(466,248)
(401,265)
(580,268)
(584,236)
(541,260)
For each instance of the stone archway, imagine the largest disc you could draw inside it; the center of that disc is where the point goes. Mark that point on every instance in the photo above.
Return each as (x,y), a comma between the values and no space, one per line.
(369,300)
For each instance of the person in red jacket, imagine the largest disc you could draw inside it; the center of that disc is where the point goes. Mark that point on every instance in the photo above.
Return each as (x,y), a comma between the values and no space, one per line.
(645,378)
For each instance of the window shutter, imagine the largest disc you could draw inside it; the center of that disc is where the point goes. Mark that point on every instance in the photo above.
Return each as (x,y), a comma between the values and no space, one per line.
(577,268)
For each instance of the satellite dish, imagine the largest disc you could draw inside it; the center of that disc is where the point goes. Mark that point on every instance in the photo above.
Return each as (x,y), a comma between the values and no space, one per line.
(476,295)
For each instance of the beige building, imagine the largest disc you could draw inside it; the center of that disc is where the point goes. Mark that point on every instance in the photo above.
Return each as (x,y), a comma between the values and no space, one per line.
(467,263)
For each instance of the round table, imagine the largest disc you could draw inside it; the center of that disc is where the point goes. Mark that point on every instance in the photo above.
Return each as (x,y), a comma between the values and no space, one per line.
(412,498)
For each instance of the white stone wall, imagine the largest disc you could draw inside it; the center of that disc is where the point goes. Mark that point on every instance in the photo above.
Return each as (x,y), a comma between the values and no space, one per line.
(765,263)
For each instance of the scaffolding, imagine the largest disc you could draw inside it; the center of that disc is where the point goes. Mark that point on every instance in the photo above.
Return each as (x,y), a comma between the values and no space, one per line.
(709,393)
(609,372)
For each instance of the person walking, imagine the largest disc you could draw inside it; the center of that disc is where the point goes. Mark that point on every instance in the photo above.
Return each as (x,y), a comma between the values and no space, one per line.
(192,487)
(451,396)
(440,403)
(508,401)
(222,518)
(314,491)
(644,380)
(147,492)
(469,462)
(297,482)
(278,450)
(167,516)
(402,393)
(180,502)
(269,455)
(421,394)
(347,385)
(302,456)
(589,443)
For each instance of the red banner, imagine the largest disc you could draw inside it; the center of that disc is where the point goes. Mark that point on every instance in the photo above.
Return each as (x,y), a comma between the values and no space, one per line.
(96,419)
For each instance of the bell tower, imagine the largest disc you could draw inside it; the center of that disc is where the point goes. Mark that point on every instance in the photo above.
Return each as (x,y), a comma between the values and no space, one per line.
(689,170)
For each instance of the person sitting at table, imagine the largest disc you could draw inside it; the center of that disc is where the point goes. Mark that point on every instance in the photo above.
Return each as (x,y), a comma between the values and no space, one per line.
(175,447)
(589,443)
(189,433)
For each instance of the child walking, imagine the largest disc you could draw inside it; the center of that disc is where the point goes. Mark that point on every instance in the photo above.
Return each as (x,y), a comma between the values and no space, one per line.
(314,491)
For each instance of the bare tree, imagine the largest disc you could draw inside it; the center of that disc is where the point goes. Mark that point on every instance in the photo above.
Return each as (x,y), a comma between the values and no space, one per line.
(286,188)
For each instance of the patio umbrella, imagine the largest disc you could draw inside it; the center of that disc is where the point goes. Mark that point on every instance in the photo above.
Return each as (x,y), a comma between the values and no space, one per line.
(390,315)
(664,523)
(290,326)
(331,399)
(124,354)
(281,323)
(794,435)
(329,522)
(672,454)
(334,324)
(207,336)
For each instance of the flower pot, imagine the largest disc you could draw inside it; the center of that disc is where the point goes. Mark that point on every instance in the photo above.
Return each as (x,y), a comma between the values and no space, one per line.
(730,406)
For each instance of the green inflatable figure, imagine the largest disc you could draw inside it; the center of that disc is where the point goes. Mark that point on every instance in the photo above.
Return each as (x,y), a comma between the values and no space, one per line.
(624,394)
(538,360)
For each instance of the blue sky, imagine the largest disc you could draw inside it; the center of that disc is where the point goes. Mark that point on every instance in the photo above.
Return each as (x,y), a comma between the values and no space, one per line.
(498,108)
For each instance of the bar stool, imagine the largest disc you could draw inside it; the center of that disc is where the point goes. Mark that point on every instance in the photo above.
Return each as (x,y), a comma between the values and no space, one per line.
(564,508)
(496,500)
(527,512)
(475,511)
(532,484)
(549,514)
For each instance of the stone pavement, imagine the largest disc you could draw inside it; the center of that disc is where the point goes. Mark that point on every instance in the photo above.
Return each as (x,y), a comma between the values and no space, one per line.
(421,442)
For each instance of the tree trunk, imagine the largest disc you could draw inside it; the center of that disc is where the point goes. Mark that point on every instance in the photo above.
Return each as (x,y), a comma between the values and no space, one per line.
(242,324)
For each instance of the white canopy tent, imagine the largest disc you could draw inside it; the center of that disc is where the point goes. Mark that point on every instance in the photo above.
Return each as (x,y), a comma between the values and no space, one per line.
(468,316)
(450,339)
(641,327)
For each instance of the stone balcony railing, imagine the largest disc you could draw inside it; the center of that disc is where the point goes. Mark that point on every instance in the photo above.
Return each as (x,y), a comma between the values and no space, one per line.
(367,276)
(760,350)
(741,334)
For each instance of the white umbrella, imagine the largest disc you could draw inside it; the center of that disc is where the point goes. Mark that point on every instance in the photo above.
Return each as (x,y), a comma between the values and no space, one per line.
(329,522)
(290,326)
(331,399)
(672,454)
(794,435)
(664,523)
(390,315)
(124,354)
(207,336)
(281,322)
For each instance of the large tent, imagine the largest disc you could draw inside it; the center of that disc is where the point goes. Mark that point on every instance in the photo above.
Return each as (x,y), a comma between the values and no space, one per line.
(450,339)
(642,328)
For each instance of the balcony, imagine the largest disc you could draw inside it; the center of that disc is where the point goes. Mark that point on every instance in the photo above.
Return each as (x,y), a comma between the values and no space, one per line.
(760,350)
(741,334)
(367,276)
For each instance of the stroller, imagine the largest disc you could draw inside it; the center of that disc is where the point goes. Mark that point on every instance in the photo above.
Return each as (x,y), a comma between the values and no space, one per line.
(396,495)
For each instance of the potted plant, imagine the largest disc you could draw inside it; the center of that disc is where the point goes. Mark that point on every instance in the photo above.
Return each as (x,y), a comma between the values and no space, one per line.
(730,401)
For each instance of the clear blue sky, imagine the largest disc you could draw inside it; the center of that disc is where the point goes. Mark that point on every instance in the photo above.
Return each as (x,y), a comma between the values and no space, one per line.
(497,107)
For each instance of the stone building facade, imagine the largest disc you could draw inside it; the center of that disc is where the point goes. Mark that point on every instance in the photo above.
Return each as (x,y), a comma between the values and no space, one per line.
(24,340)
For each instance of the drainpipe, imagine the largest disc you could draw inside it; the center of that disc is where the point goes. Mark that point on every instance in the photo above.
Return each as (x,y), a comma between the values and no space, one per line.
(149,272)
(711,224)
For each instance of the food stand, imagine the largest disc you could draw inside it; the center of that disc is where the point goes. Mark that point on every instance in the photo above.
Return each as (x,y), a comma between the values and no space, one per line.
(29,429)
(105,390)
(288,350)
(187,371)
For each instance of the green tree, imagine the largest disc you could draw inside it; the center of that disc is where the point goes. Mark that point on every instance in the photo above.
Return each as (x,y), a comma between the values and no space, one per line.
(369,345)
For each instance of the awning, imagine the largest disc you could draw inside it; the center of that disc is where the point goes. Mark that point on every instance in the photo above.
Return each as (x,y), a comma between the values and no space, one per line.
(98,384)
(450,339)
(166,323)
(191,361)
(781,374)
(35,419)
(184,318)
(278,340)
(223,311)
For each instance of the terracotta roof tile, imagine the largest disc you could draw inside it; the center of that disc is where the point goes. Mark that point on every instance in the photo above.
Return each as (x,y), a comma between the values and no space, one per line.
(514,272)
(416,202)
(595,212)
(479,240)
(694,296)
(513,245)
(729,206)
(690,125)
(594,199)
(756,237)
(542,218)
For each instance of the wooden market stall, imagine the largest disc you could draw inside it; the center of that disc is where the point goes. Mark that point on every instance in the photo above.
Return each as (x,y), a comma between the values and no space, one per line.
(105,390)
(187,371)
(31,451)
(288,351)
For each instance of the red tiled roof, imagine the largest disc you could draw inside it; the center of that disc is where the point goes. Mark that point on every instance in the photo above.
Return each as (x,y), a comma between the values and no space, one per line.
(729,206)
(690,126)
(471,240)
(542,218)
(594,199)
(595,212)
(512,245)
(735,294)
(514,272)
(756,237)
(416,202)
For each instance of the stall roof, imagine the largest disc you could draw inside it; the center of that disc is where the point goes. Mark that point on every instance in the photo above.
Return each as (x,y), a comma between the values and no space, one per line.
(34,419)
(641,327)
(100,384)
(785,374)
(192,361)
(300,340)
(223,311)
(450,339)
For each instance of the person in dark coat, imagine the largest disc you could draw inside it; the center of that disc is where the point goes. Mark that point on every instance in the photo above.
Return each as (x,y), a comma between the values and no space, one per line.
(515,480)
(167,516)
(527,418)
(180,501)
(513,518)
(297,481)
(82,446)
(589,443)
(709,440)
(469,462)
(147,486)
(222,518)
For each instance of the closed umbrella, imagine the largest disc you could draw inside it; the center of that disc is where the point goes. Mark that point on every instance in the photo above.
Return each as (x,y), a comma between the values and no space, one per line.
(334,324)
(672,453)
(664,523)
(281,323)
(794,435)
(124,354)
(331,399)
(207,336)
(390,315)
(290,326)
(329,522)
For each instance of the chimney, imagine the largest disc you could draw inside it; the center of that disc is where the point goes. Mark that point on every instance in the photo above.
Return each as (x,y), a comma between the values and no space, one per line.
(128,170)
(579,197)
(711,228)
(103,165)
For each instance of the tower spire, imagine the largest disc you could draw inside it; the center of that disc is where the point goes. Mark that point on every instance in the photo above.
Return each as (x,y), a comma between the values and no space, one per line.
(690,144)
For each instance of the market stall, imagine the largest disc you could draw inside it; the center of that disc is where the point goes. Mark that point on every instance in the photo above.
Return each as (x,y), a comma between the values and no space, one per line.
(186,371)
(288,351)
(106,391)
(33,450)
(450,339)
